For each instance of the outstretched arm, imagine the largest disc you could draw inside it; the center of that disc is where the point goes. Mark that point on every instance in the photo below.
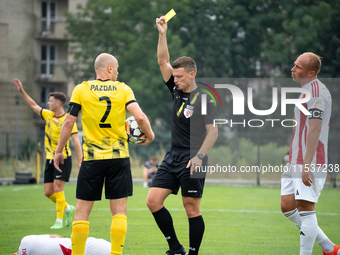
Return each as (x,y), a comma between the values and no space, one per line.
(28,100)
(162,49)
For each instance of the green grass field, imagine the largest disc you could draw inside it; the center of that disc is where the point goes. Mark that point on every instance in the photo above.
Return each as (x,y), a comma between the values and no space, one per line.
(239,220)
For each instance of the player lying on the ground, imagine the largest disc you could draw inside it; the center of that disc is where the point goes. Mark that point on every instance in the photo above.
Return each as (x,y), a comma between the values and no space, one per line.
(57,245)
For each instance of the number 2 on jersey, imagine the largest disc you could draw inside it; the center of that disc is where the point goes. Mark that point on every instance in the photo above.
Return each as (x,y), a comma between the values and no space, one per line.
(106,114)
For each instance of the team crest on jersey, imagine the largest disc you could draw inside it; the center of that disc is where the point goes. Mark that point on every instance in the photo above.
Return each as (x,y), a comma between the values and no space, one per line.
(318,105)
(188,111)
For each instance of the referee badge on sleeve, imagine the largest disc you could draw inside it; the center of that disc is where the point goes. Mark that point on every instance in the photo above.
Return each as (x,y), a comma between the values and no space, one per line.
(188,111)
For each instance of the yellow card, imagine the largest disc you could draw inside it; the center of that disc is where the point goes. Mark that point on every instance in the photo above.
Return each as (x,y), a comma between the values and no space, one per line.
(169,15)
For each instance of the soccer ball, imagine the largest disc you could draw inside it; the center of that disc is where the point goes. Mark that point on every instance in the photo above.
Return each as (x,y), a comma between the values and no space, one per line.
(135,134)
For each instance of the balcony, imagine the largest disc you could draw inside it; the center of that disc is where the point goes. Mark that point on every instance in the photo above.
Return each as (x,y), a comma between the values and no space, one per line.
(51,30)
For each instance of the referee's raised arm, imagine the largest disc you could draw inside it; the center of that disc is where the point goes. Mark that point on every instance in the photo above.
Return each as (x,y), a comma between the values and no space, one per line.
(162,49)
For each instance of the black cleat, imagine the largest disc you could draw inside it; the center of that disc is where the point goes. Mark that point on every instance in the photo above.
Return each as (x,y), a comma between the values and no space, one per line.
(180,251)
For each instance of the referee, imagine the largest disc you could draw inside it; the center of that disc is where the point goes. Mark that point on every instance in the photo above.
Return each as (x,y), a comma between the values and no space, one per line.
(103,103)
(189,147)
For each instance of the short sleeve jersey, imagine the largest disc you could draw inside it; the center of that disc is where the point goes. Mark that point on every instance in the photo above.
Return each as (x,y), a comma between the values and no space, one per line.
(45,245)
(188,125)
(103,112)
(52,132)
(320,107)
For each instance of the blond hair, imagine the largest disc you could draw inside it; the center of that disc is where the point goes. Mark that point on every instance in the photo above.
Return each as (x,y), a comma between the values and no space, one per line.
(314,62)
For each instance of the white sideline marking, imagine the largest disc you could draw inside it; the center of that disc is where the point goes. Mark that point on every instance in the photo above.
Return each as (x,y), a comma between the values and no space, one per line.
(22,188)
(170,209)
(19,188)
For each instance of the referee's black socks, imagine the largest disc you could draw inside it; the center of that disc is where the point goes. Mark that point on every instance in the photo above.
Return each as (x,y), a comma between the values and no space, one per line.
(196,230)
(164,221)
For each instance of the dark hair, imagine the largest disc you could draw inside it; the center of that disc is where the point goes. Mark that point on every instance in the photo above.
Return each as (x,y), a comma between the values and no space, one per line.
(59,96)
(187,63)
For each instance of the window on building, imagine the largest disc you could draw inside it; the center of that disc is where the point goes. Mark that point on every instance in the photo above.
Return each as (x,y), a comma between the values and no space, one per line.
(48,16)
(45,91)
(48,60)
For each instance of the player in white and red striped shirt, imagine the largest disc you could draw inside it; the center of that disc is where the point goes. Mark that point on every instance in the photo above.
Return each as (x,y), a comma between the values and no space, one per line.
(320,106)
(306,171)
(57,245)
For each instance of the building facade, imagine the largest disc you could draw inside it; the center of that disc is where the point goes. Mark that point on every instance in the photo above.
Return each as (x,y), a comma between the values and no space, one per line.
(34,49)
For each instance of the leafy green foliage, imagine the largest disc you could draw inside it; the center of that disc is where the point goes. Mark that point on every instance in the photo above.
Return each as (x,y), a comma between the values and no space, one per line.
(226,39)
(128,31)
(302,26)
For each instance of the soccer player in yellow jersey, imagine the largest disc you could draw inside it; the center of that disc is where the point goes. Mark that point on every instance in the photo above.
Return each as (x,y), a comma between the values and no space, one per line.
(54,181)
(103,104)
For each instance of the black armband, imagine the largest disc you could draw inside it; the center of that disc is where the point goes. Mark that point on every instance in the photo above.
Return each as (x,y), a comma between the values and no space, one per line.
(73,109)
(316,114)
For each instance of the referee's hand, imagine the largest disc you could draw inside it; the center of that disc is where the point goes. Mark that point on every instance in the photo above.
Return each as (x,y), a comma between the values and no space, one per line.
(161,25)
(194,163)
(58,158)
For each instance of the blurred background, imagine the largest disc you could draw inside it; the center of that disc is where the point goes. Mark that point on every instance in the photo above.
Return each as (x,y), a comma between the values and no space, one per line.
(51,45)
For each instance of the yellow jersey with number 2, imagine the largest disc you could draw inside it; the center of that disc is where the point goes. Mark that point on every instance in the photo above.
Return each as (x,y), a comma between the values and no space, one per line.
(103,113)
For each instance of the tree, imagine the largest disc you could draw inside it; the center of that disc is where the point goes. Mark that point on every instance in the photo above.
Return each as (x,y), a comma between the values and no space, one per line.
(127,30)
(300,26)
(225,38)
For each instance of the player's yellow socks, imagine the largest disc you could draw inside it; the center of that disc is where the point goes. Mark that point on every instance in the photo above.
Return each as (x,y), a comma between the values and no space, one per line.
(53,198)
(60,204)
(118,233)
(80,232)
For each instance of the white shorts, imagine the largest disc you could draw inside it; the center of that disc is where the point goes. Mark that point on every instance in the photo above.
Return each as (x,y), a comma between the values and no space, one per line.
(291,183)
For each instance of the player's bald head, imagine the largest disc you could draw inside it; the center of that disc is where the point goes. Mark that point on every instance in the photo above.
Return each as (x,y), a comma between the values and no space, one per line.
(103,60)
(313,61)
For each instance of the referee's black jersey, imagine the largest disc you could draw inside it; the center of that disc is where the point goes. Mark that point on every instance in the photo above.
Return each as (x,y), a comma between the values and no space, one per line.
(188,129)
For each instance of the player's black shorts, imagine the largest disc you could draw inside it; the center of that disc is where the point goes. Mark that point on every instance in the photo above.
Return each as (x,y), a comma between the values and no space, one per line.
(115,173)
(172,174)
(51,173)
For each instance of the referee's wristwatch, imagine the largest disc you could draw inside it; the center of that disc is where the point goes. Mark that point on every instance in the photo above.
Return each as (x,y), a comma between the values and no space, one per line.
(200,156)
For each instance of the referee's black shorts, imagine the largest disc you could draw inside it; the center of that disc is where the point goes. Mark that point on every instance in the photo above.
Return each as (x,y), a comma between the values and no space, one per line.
(115,173)
(172,174)
(52,174)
